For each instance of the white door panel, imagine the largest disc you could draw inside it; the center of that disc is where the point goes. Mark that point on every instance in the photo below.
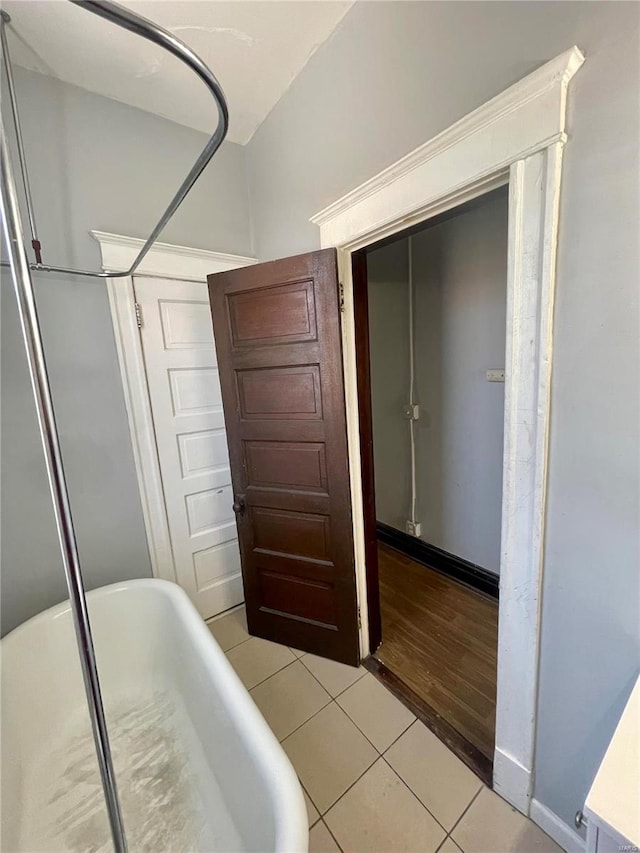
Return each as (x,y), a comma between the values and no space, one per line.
(186,403)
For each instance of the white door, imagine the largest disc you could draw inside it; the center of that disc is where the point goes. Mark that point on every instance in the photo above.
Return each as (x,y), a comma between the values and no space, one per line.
(186,404)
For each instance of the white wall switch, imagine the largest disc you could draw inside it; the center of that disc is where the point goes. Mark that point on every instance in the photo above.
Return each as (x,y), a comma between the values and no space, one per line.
(495,375)
(412,528)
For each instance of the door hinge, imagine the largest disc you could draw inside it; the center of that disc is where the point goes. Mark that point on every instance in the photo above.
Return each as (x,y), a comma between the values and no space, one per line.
(138,314)
(359,618)
(341,296)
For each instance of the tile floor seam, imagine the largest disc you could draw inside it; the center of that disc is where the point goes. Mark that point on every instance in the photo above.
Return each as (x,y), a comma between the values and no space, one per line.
(444,841)
(473,799)
(322,685)
(282,668)
(413,793)
(338,695)
(346,791)
(314,675)
(331,834)
(237,645)
(312,803)
(315,714)
(380,754)
(416,720)
(304,722)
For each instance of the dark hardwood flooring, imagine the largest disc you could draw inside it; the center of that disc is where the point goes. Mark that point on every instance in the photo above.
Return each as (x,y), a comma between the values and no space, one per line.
(441,639)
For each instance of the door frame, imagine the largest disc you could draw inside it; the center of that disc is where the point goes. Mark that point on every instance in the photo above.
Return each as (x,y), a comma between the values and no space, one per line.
(164,260)
(517,138)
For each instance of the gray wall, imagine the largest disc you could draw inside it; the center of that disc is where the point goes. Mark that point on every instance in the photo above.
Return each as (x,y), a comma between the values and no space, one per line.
(392,76)
(387,272)
(460,281)
(94,164)
(460,288)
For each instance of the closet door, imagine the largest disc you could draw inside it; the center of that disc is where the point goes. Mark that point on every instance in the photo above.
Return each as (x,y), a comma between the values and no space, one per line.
(186,404)
(277,332)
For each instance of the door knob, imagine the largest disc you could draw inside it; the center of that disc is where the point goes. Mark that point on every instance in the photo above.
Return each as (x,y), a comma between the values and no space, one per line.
(238,505)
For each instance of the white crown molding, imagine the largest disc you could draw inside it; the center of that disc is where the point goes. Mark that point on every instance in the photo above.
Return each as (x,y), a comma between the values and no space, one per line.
(118,252)
(528,116)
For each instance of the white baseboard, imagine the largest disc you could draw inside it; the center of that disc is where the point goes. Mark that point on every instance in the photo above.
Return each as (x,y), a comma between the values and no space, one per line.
(512,781)
(562,833)
(226,612)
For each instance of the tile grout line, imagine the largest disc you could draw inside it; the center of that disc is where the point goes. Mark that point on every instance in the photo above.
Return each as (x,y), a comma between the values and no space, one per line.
(297,728)
(410,726)
(413,793)
(301,659)
(403,732)
(346,791)
(319,818)
(334,699)
(275,672)
(326,825)
(235,645)
(473,799)
(369,766)
(381,754)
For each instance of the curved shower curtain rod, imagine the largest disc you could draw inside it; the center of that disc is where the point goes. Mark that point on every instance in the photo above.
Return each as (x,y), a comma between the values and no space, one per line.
(140,26)
(21,270)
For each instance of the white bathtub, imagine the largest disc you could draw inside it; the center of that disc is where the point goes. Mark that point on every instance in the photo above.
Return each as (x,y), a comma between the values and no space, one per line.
(198,769)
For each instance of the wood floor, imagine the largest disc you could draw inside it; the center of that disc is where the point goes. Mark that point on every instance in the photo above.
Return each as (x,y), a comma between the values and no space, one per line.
(441,639)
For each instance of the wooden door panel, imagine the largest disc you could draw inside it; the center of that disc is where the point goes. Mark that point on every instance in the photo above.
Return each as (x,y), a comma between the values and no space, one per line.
(281,314)
(277,333)
(295,534)
(295,501)
(292,355)
(311,600)
(291,465)
(283,393)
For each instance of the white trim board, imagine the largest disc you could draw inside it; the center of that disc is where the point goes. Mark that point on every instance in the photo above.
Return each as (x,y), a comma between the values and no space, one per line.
(517,137)
(163,259)
(562,833)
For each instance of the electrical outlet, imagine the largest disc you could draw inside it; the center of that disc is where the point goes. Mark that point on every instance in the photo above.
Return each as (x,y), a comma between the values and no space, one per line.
(412,528)
(412,412)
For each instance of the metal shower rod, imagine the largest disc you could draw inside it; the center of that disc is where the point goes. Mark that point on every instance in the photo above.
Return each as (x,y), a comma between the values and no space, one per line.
(146,29)
(21,270)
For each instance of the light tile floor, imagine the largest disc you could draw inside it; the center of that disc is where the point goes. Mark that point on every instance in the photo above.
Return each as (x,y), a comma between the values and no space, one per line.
(375,779)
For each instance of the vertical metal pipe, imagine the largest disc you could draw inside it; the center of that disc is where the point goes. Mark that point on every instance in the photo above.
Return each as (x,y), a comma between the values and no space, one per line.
(8,70)
(23,284)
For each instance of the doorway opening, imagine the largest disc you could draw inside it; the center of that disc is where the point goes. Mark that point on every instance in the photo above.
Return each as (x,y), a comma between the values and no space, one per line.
(431,306)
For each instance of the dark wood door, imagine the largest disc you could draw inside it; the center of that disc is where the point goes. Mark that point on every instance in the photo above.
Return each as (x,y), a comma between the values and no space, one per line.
(277,332)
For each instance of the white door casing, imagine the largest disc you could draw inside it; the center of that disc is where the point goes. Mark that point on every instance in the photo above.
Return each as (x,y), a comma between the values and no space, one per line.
(172,397)
(517,138)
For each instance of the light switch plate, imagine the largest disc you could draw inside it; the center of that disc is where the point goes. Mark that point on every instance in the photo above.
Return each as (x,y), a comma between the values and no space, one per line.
(495,375)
